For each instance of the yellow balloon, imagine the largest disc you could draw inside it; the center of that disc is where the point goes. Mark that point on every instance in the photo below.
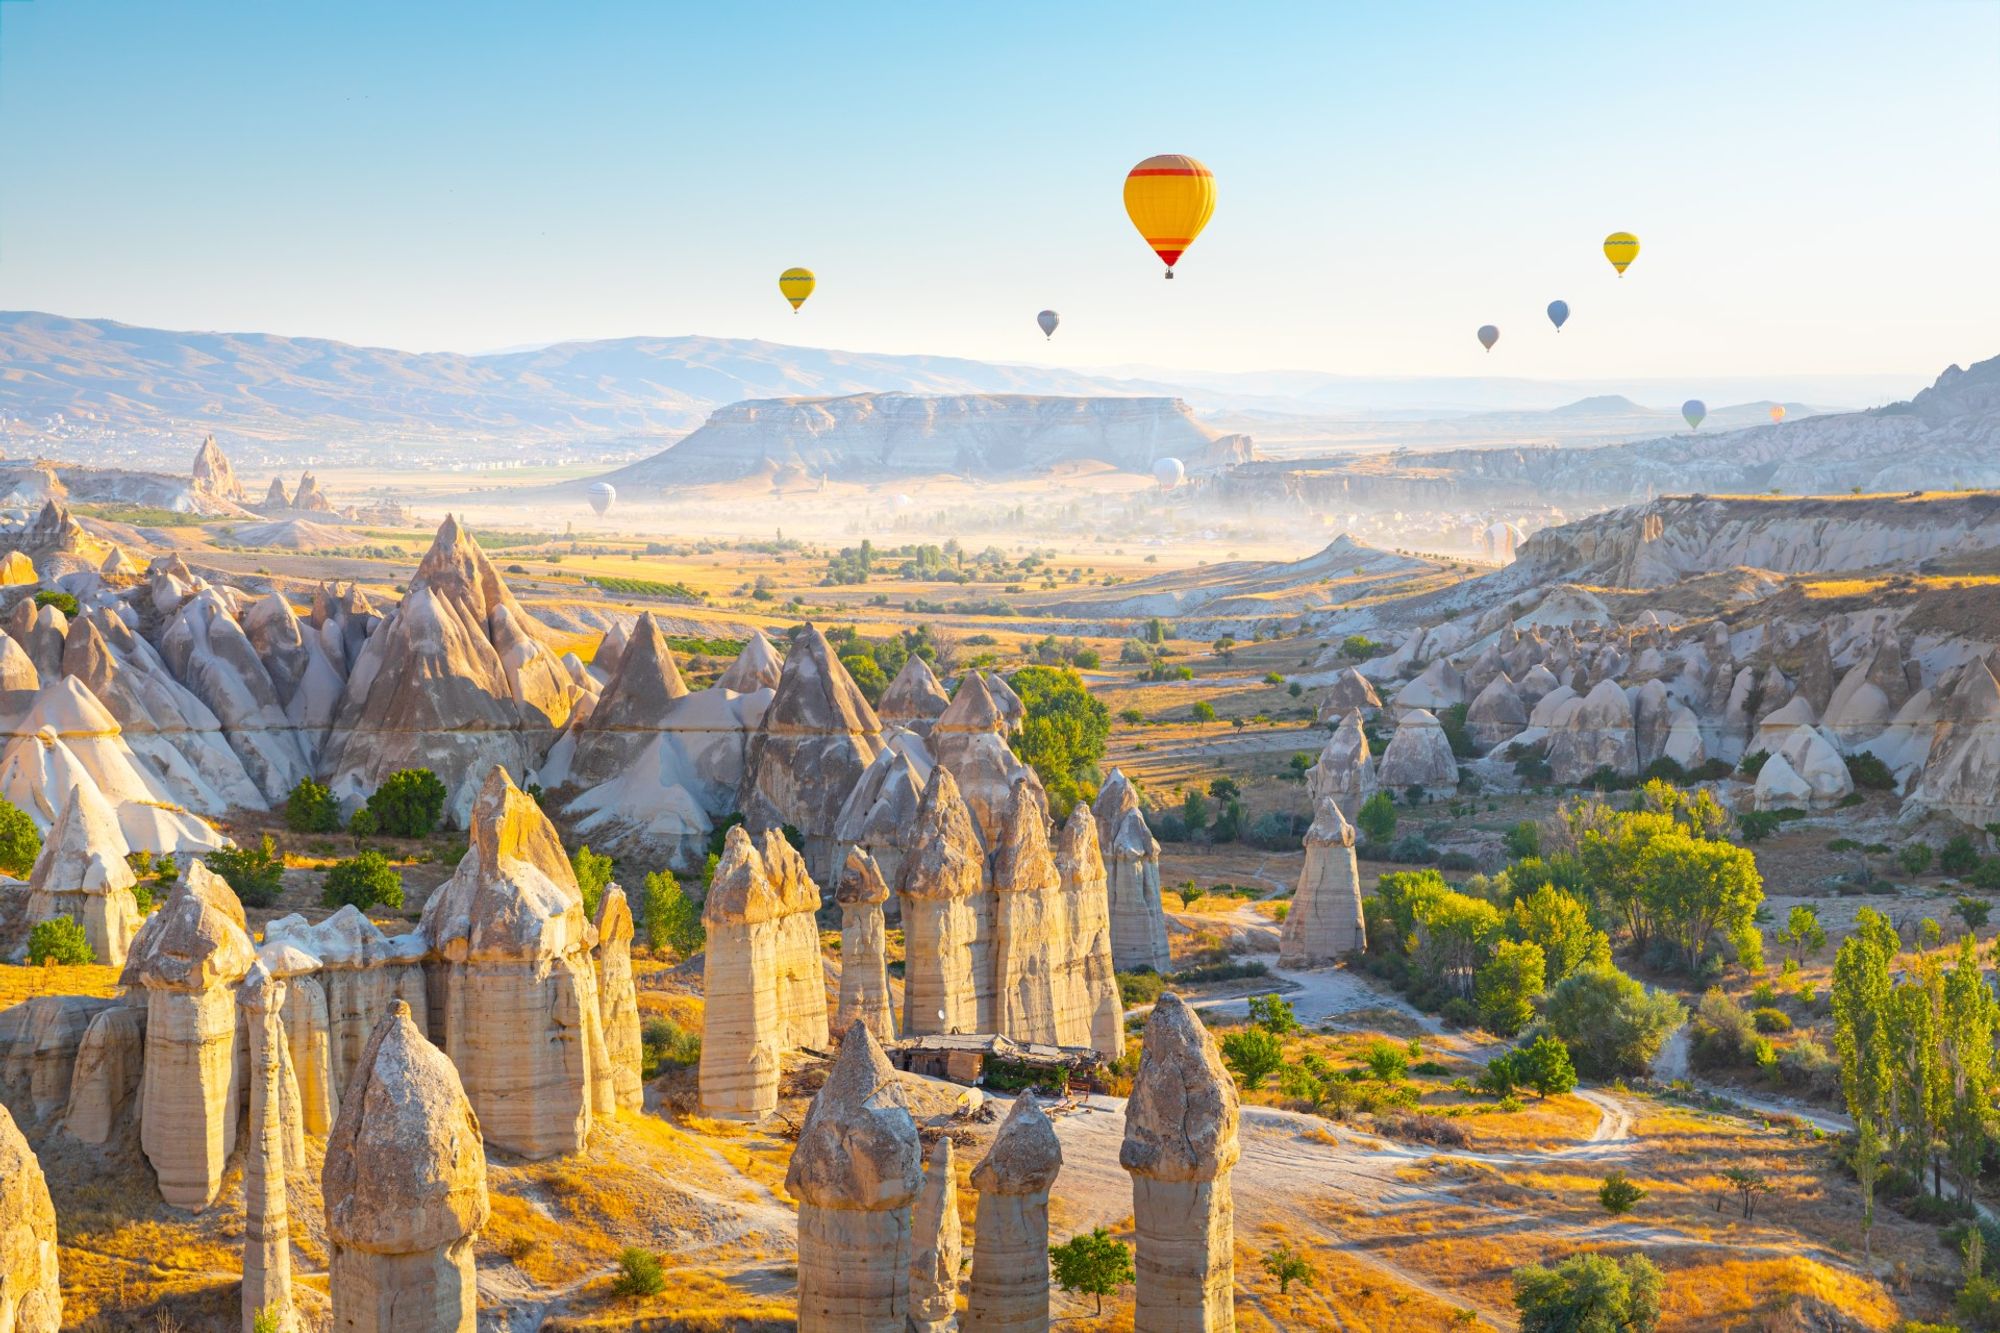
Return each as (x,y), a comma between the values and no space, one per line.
(1777,413)
(797,284)
(1621,248)
(1169,198)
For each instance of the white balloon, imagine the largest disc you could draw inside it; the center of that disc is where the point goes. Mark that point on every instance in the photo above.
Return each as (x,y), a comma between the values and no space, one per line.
(1169,472)
(601,494)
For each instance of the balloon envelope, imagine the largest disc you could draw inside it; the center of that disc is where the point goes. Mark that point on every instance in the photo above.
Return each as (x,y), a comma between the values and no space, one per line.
(1169,473)
(797,284)
(1169,198)
(1621,248)
(1694,410)
(1488,335)
(1048,319)
(1777,412)
(601,494)
(1558,314)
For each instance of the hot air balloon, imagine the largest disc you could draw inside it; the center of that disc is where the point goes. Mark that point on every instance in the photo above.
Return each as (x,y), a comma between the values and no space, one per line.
(600,494)
(1558,314)
(797,284)
(1048,319)
(1169,473)
(1488,335)
(1777,413)
(1621,248)
(1694,410)
(1169,199)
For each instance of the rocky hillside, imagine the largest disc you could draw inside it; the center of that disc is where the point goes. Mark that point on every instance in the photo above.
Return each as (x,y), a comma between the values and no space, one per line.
(872,435)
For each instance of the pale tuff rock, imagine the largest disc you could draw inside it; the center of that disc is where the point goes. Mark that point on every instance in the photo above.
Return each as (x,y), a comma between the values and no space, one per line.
(1087,905)
(864,978)
(17,569)
(970,739)
(882,809)
(104,1089)
(30,1290)
(742,1039)
(40,1041)
(1810,764)
(1010,1248)
(1961,776)
(1325,921)
(1034,996)
(275,497)
(1776,727)
(1132,868)
(914,698)
(39,631)
(800,976)
(1598,733)
(189,957)
(17,669)
(214,658)
(514,979)
(1418,755)
(757,667)
(311,1105)
(1552,710)
(1867,698)
(1011,706)
(1536,683)
(345,976)
(1780,786)
(1498,714)
(458,679)
(82,874)
(212,476)
(267,1252)
(618,1001)
(1438,688)
(307,679)
(1180,1147)
(1349,691)
(309,497)
(405,1190)
(936,1245)
(1345,769)
(815,740)
(855,1172)
(344,618)
(942,880)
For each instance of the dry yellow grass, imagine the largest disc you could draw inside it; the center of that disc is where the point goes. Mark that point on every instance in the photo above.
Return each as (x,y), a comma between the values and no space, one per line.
(25,983)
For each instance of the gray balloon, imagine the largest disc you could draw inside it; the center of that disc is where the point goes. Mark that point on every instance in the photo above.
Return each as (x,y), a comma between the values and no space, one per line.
(1488,335)
(1048,319)
(1694,410)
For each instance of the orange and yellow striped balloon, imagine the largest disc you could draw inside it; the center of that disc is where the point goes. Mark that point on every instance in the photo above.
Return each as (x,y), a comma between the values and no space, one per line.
(1621,248)
(1170,199)
(797,284)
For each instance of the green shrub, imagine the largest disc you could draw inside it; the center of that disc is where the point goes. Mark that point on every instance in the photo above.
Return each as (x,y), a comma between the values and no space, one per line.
(20,844)
(1137,988)
(362,823)
(365,880)
(408,804)
(1757,825)
(1753,764)
(59,940)
(1771,1020)
(1914,858)
(255,874)
(61,601)
(1618,1194)
(1959,856)
(1377,817)
(672,919)
(663,1042)
(1253,1054)
(310,808)
(593,876)
(1869,773)
(165,871)
(639,1274)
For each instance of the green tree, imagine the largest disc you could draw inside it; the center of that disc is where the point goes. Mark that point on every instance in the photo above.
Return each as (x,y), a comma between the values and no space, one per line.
(1253,1054)
(1507,985)
(1377,817)
(59,940)
(1560,923)
(1867,1161)
(1194,811)
(1063,732)
(673,920)
(1203,711)
(1958,856)
(1613,1026)
(1589,1293)
(408,804)
(20,843)
(1618,1195)
(310,808)
(1802,933)
(1914,858)
(1524,840)
(1696,887)
(1092,1263)
(1968,1040)
(256,874)
(868,676)
(364,880)
(593,876)
(1359,648)
(1972,911)
(1287,1265)
(1545,1066)
(1274,1014)
(1455,936)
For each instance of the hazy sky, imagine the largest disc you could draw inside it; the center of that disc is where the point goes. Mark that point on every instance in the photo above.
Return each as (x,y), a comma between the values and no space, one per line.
(1816,184)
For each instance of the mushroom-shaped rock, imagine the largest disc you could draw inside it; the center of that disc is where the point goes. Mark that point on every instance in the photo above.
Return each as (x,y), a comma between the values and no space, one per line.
(943,872)
(1132,868)
(405,1189)
(1418,755)
(864,977)
(1010,1248)
(1325,921)
(30,1292)
(914,698)
(855,1171)
(970,739)
(1180,1147)
(936,1245)
(618,1000)
(1345,769)
(1961,769)
(1030,951)
(1087,904)
(267,1245)
(742,1039)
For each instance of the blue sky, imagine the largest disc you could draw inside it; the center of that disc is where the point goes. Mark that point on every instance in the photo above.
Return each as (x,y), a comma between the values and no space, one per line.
(1815,184)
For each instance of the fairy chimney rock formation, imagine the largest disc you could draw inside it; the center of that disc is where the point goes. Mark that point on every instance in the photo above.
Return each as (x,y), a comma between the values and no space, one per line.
(1010,1248)
(1087,902)
(1498,714)
(514,975)
(405,1190)
(855,1171)
(1132,867)
(1349,691)
(30,1293)
(275,498)
(914,698)
(1180,1146)
(267,1249)
(188,958)
(943,875)
(864,977)
(212,477)
(757,667)
(816,739)
(1418,755)
(800,977)
(970,739)
(81,874)
(937,1245)
(742,1038)
(882,808)
(618,1000)
(1345,769)
(1325,921)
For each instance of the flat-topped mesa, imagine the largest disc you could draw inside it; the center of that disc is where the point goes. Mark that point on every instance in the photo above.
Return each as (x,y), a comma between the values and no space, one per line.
(800,976)
(879,813)
(742,1038)
(1345,769)
(1087,906)
(1325,921)
(1132,867)
(458,679)
(943,874)
(81,874)
(864,976)
(267,1249)
(1418,755)
(1180,1147)
(970,739)
(914,698)
(188,957)
(618,1001)
(512,972)
(30,1285)
(937,1245)
(1010,1248)
(405,1190)
(757,667)
(815,740)
(1034,999)
(855,1171)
